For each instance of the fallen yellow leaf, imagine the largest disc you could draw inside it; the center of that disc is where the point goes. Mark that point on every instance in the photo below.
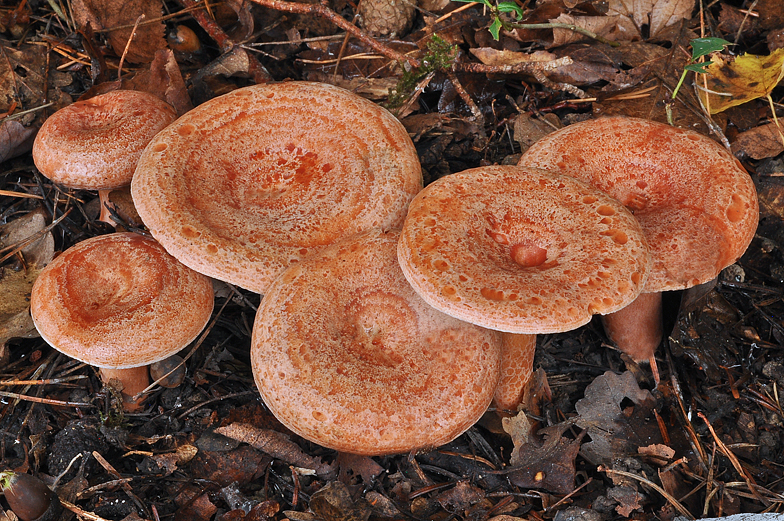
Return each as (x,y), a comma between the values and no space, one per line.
(733,80)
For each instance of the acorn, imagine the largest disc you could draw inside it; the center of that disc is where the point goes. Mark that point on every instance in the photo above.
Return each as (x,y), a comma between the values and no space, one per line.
(29,497)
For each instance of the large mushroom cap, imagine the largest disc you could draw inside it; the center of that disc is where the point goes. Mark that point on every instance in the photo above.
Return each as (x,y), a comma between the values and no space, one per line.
(94,144)
(119,301)
(695,202)
(250,182)
(346,354)
(521,250)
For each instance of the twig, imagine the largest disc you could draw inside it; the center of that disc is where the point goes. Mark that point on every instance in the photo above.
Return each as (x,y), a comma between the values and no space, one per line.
(46,401)
(735,462)
(680,508)
(332,16)
(128,45)
(226,44)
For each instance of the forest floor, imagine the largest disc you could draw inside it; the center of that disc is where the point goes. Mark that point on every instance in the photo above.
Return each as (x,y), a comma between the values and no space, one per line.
(607,443)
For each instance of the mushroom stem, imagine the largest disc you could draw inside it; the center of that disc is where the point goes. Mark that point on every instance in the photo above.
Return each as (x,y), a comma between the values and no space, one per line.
(637,329)
(517,364)
(105,215)
(134,380)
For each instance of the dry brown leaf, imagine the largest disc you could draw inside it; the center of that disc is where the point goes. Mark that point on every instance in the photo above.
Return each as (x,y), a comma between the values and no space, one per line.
(164,80)
(601,25)
(758,143)
(549,463)
(655,14)
(15,284)
(277,445)
(107,15)
(333,502)
(495,57)
(618,417)
(15,139)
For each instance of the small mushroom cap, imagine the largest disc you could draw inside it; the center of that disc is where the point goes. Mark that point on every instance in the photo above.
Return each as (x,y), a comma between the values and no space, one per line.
(695,202)
(94,144)
(347,355)
(119,301)
(252,181)
(521,250)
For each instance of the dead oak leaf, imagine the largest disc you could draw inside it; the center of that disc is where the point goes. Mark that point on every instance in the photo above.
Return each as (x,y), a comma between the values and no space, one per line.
(618,416)
(656,15)
(735,80)
(118,18)
(545,461)
(758,143)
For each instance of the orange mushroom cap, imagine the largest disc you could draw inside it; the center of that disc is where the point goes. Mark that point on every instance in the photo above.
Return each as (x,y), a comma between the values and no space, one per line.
(695,202)
(521,250)
(94,144)
(254,180)
(119,301)
(347,355)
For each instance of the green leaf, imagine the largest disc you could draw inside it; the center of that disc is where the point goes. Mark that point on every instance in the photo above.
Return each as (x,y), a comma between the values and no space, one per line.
(495,28)
(698,67)
(705,46)
(510,7)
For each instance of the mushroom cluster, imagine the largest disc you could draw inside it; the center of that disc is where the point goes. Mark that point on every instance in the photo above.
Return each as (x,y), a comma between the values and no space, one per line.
(695,202)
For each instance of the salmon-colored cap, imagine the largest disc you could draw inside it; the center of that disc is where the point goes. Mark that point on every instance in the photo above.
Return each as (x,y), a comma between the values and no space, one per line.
(252,181)
(119,301)
(94,144)
(522,250)
(695,202)
(347,355)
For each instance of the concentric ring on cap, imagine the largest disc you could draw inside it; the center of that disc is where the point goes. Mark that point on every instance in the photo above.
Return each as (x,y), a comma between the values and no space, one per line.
(252,181)
(347,355)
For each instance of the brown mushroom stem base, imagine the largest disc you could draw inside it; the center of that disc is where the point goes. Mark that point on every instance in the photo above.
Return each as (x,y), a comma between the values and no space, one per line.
(517,364)
(134,380)
(637,329)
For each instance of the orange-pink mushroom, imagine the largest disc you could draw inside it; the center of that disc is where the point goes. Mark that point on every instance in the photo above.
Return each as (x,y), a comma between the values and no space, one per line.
(523,251)
(120,302)
(695,202)
(94,144)
(347,355)
(250,182)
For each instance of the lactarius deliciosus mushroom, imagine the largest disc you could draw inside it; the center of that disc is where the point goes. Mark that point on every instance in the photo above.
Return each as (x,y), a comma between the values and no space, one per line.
(347,355)
(521,250)
(252,181)
(94,144)
(120,302)
(695,203)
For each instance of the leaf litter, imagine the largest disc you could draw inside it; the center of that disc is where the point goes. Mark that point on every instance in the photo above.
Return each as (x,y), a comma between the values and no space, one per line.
(594,437)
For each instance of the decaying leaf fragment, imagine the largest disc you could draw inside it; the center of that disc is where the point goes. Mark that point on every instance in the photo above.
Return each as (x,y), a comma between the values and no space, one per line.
(734,80)
(16,283)
(544,461)
(656,15)
(619,417)
(277,445)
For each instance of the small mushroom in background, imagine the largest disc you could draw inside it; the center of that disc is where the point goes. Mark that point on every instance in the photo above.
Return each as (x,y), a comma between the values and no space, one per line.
(120,302)
(248,183)
(695,202)
(94,144)
(523,251)
(347,355)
